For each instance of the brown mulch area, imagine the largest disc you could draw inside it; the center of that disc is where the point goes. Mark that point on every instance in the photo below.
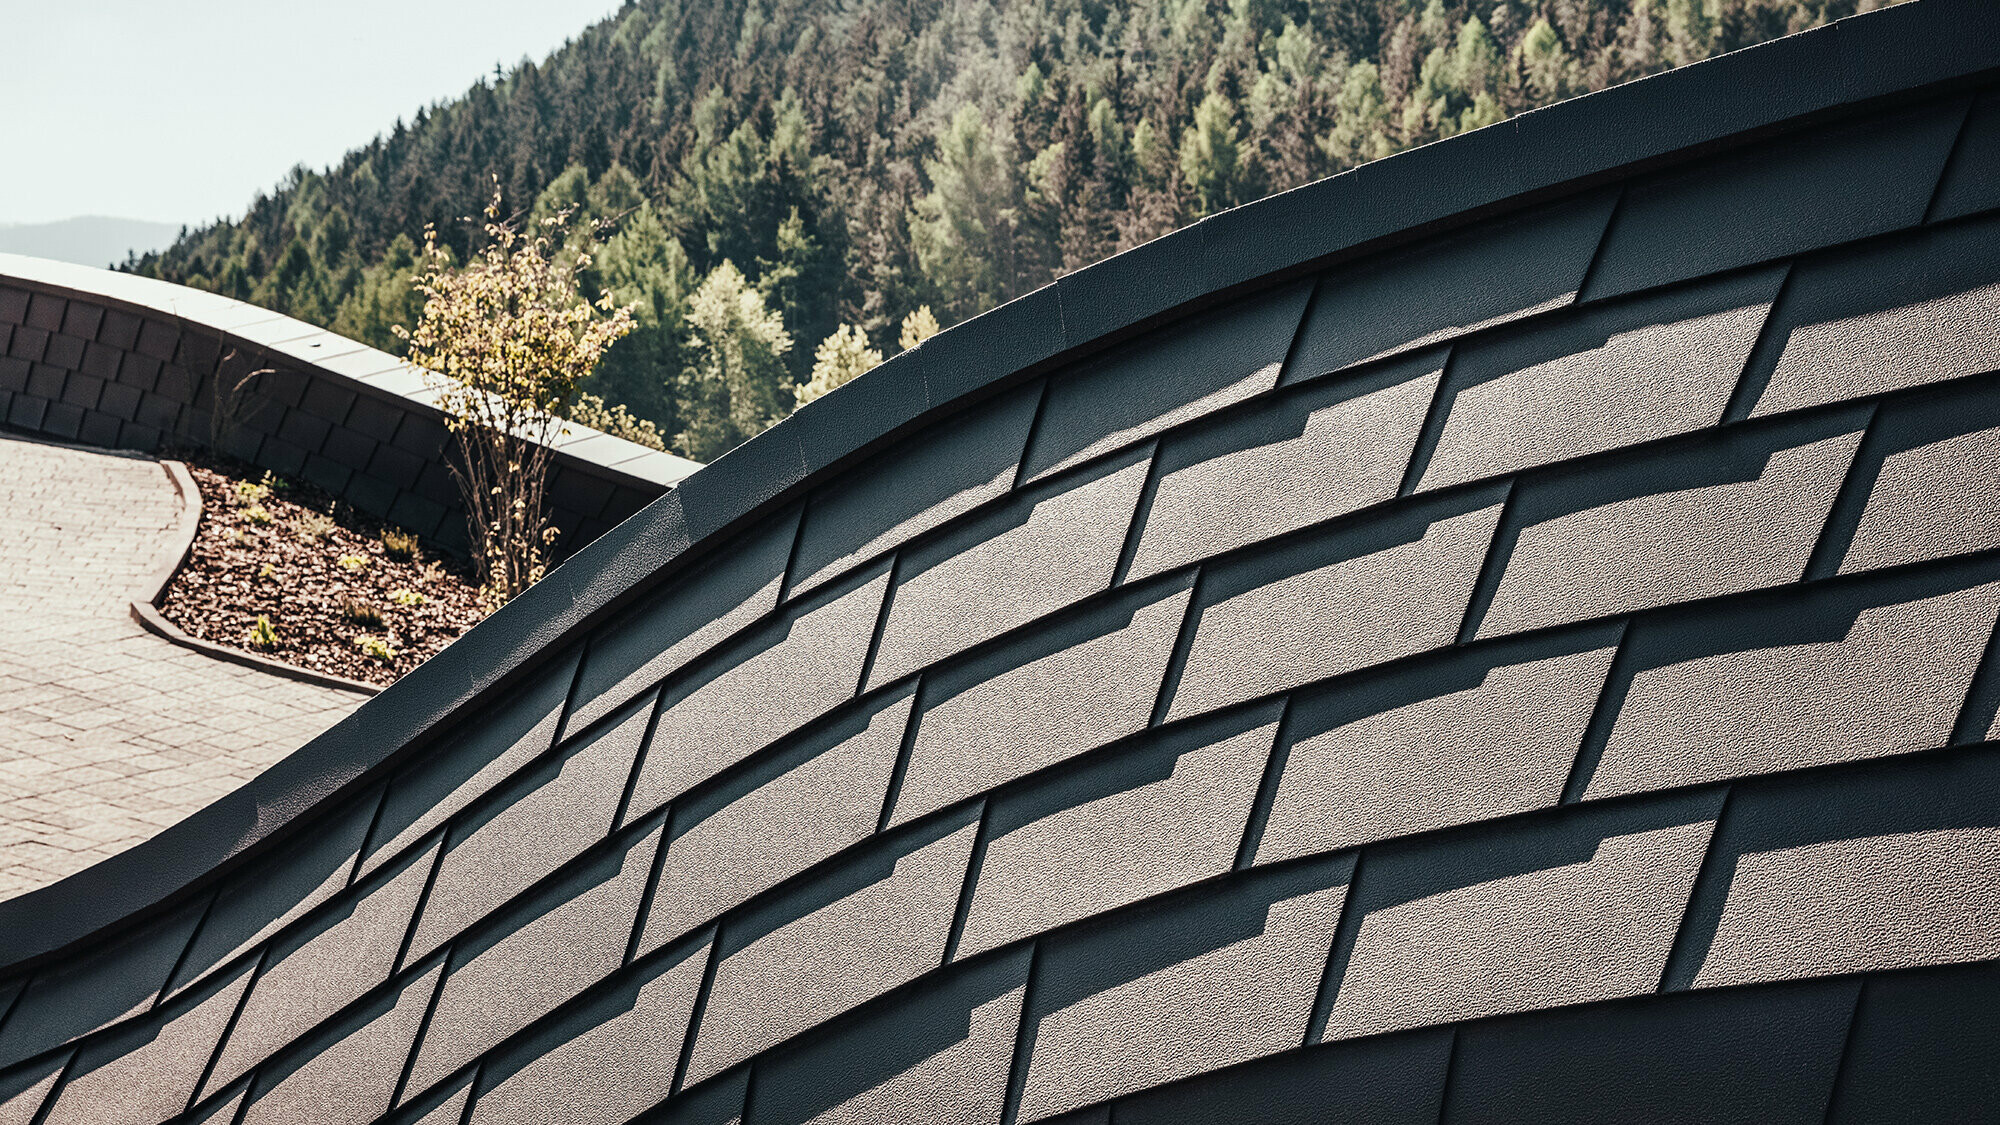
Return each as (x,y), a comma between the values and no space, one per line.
(262,555)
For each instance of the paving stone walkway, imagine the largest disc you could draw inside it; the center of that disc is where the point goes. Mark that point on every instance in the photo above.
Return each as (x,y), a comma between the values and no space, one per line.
(108,733)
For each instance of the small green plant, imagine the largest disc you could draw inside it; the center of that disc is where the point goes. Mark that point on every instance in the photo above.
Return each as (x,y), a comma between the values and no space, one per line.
(269,572)
(407,597)
(353,564)
(257,514)
(262,636)
(399,544)
(312,527)
(375,648)
(250,493)
(361,613)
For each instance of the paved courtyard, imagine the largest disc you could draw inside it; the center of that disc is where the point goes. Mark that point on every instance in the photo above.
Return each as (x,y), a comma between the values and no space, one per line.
(108,733)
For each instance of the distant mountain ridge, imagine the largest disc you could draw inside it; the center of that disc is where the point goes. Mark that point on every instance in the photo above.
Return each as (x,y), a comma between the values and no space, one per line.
(786,178)
(88,240)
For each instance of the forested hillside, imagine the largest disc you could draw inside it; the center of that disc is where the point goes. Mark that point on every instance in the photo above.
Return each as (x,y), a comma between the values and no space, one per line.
(775,170)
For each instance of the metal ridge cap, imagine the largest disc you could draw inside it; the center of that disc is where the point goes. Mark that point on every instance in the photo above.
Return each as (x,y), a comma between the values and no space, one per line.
(1892,52)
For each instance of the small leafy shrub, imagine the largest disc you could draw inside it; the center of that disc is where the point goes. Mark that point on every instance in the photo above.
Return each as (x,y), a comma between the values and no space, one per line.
(262,636)
(257,514)
(361,613)
(375,648)
(312,527)
(353,564)
(407,598)
(269,572)
(398,544)
(250,493)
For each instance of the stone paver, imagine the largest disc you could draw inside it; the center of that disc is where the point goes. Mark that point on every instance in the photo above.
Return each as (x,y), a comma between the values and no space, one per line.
(108,733)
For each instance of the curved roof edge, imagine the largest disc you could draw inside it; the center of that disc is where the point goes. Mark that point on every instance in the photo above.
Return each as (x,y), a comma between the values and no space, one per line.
(328,354)
(1920,47)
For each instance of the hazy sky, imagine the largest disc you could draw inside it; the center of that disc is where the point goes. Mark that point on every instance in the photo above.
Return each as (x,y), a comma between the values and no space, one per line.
(180,110)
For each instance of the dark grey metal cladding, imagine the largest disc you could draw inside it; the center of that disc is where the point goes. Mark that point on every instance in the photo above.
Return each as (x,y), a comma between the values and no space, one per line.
(537,822)
(527,960)
(1387,1080)
(1911,1054)
(1309,454)
(1045,548)
(1007,711)
(1605,376)
(1919,308)
(1244,769)
(311,973)
(1771,200)
(914,487)
(1924,483)
(941,1054)
(348,1070)
(1445,287)
(682,621)
(791,963)
(1782,681)
(1335,601)
(605,1059)
(1732,1057)
(783,813)
(1971,182)
(1197,982)
(147,1072)
(485,752)
(1740,510)
(759,688)
(1149,818)
(72,998)
(1180,373)
(1567,908)
(1446,740)
(1815,875)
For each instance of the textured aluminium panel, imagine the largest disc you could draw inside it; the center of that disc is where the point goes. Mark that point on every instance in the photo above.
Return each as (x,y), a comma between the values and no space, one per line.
(1933,465)
(1154,817)
(1308,455)
(792,810)
(1919,308)
(1813,877)
(791,965)
(1566,910)
(763,686)
(1448,741)
(1606,376)
(1771,201)
(1016,709)
(310,974)
(1791,681)
(604,1060)
(915,488)
(1488,275)
(1741,1058)
(1046,548)
(1139,1002)
(940,1055)
(533,957)
(1339,601)
(680,622)
(1182,373)
(530,828)
(1737,513)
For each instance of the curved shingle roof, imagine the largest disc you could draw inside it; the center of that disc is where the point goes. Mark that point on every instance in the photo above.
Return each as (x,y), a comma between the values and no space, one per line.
(1499,634)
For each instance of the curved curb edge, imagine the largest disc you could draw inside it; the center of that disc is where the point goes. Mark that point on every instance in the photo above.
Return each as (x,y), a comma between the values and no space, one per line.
(145,607)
